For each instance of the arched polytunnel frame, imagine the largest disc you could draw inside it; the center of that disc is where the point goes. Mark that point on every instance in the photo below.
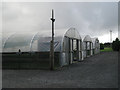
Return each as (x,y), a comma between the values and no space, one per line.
(67,43)
(97,46)
(17,41)
(88,46)
(31,42)
(26,41)
(95,42)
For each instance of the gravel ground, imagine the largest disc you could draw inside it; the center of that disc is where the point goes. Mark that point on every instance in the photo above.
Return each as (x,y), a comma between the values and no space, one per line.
(98,71)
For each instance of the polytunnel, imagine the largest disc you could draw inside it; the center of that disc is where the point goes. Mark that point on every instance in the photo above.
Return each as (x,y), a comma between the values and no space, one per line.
(67,44)
(15,41)
(96,45)
(71,46)
(87,46)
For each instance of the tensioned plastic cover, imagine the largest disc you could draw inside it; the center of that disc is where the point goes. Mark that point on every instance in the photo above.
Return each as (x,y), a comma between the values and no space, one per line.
(18,41)
(87,38)
(36,41)
(86,47)
(95,42)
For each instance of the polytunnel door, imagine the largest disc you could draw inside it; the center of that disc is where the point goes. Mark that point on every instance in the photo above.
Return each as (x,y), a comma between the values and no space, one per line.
(79,47)
(88,53)
(70,51)
(91,49)
(67,50)
(75,50)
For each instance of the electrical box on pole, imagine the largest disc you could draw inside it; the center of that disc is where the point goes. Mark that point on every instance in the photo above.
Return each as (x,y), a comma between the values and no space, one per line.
(52,44)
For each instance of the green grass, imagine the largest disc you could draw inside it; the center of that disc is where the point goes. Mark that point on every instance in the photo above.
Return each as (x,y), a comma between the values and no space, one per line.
(107,49)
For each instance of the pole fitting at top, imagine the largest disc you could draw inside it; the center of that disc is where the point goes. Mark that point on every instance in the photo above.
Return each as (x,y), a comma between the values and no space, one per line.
(53,19)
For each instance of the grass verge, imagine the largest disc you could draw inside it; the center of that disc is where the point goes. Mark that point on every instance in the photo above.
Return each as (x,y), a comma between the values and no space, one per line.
(106,49)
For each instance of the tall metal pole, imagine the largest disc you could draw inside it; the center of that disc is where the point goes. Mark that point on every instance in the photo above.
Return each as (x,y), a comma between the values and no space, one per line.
(52,44)
(111,37)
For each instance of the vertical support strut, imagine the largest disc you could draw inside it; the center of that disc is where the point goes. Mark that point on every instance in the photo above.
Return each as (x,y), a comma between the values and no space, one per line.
(52,44)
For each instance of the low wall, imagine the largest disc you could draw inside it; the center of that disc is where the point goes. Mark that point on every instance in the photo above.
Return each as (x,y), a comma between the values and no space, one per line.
(37,60)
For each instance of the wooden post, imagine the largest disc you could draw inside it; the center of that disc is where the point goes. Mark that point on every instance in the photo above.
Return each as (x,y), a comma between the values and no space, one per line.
(52,44)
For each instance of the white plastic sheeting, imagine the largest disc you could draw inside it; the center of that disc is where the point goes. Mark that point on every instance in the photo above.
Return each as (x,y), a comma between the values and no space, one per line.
(66,41)
(87,39)
(17,41)
(96,45)
(87,46)
(40,42)
(29,42)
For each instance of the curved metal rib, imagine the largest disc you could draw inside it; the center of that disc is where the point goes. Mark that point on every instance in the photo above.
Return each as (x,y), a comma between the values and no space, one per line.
(4,43)
(32,41)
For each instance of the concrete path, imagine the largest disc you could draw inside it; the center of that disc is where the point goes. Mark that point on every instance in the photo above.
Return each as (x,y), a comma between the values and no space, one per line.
(99,71)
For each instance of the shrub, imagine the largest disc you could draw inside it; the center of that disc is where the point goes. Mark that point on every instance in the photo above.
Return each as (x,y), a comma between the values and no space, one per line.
(107,44)
(101,46)
(116,45)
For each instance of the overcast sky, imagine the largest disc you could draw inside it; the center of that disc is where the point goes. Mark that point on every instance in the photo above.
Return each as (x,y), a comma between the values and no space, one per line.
(89,18)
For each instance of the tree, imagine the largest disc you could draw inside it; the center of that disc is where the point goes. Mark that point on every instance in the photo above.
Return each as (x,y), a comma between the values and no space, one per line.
(101,46)
(107,44)
(116,45)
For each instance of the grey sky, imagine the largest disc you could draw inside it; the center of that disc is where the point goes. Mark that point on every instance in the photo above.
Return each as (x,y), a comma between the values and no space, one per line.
(92,18)
(119,20)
